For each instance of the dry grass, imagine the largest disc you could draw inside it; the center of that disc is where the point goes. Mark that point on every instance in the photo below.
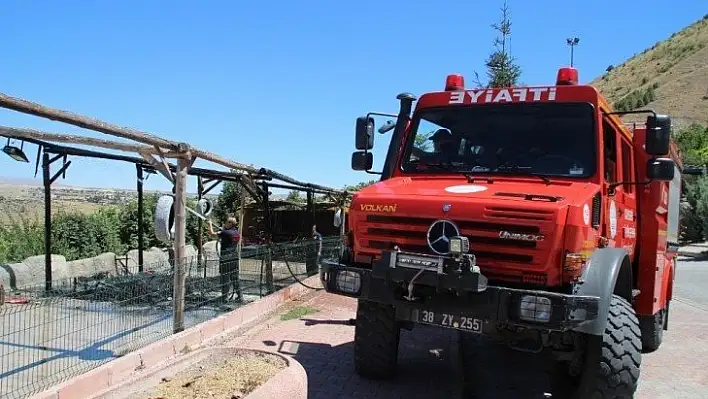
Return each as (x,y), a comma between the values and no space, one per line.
(34,210)
(677,67)
(228,378)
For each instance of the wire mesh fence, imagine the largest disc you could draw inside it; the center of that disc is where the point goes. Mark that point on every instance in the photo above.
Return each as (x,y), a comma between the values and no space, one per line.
(48,337)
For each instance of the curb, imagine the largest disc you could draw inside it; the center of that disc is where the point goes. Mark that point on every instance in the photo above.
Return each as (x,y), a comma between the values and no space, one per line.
(692,254)
(116,371)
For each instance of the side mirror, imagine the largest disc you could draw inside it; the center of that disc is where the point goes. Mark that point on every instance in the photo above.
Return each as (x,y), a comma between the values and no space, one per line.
(337,218)
(658,135)
(362,160)
(660,169)
(364,133)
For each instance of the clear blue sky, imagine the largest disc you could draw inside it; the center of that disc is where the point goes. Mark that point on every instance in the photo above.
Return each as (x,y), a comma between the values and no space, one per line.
(279,84)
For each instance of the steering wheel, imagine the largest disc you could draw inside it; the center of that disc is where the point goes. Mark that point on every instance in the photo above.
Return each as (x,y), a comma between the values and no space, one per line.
(556,156)
(553,163)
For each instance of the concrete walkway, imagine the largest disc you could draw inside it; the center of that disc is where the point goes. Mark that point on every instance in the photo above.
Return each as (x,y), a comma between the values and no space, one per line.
(322,343)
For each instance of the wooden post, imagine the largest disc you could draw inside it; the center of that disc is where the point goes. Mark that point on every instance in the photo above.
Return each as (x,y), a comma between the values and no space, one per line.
(270,284)
(47,179)
(141,233)
(179,243)
(200,224)
(342,230)
(241,215)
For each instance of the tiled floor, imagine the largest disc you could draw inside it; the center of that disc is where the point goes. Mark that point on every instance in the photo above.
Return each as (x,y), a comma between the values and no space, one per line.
(428,362)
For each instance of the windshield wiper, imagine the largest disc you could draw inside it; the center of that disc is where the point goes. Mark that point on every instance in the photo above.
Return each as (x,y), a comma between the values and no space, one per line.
(521,170)
(455,167)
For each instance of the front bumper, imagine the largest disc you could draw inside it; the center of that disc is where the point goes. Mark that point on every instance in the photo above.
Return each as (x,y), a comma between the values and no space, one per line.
(389,278)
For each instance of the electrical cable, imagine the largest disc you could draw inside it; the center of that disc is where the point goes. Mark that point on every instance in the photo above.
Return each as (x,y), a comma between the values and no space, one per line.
(287,264)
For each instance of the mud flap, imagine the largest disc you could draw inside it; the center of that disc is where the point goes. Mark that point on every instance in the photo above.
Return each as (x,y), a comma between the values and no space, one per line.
(604,269)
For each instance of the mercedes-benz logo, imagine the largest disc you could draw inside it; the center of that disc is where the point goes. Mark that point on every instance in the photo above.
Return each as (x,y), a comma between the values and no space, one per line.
(439,234)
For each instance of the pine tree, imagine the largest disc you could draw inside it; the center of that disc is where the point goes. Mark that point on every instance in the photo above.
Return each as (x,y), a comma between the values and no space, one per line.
(502,70)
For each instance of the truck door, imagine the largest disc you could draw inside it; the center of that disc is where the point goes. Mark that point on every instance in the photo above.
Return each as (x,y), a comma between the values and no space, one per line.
(621,208)
(627,198)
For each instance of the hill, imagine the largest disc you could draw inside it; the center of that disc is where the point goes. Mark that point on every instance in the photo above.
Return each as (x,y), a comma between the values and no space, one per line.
(24,198)
(671,77)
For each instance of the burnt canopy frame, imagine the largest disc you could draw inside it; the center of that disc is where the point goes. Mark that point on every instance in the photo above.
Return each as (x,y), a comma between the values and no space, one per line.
(48,153)
(150,145)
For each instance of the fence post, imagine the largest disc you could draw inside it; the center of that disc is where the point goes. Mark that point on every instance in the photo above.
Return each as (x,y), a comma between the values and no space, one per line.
(179,243)
(269,269)
(141,232)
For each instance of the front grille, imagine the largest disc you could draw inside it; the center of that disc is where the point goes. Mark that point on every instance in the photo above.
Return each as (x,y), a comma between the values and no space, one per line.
(385,232)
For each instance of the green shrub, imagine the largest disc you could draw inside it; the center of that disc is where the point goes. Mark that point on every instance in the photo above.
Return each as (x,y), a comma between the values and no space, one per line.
(76,235)
(20,239)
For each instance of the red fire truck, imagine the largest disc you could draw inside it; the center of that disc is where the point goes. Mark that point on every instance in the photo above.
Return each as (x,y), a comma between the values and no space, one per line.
(531,215)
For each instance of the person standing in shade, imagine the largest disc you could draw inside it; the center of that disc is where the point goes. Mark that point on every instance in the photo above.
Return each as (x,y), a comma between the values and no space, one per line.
(229,237)
(313,261)
(318,240)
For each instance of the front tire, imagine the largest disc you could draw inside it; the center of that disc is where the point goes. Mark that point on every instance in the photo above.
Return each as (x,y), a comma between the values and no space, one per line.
(612,361)
(376,338)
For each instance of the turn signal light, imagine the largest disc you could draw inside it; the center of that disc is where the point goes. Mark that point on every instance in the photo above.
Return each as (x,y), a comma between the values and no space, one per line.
(573,265)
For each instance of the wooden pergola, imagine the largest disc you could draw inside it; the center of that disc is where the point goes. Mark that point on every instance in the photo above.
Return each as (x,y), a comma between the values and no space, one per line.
(154,154)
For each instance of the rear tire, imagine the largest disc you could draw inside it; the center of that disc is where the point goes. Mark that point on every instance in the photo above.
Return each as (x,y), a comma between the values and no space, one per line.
(376,338)
(612,361)
(652,328)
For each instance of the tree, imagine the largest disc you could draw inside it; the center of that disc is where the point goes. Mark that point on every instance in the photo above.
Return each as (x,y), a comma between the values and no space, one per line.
(421,141)
(294,196)
(502,71)
(693,145)
(128,221)
(359,186)
(228,201)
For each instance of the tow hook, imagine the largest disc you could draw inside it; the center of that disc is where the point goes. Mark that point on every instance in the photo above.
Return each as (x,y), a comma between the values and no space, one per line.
(410,296)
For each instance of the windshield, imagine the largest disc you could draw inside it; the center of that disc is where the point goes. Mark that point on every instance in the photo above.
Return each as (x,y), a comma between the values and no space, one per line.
(545,139)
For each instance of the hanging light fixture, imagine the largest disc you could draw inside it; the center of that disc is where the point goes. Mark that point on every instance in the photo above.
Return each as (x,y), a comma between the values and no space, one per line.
(15,153)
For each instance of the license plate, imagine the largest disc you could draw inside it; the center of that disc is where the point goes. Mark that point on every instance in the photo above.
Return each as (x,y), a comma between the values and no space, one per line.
(449,320)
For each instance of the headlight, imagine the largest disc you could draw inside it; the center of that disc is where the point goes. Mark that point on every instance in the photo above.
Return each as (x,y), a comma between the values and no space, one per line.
(348,282)
(535,308)
(459,245)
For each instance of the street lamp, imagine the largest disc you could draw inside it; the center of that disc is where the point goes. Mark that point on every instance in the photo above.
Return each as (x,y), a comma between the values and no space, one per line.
(15,153)
(572,42)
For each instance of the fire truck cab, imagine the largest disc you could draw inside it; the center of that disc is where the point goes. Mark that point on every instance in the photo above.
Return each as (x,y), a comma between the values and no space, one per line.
(513,213)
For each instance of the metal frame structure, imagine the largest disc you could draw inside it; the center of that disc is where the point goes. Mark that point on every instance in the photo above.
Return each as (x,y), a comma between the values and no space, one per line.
(150,146)
(207,180)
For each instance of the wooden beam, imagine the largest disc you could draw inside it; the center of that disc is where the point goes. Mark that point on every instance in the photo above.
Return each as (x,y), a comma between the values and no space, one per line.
(19,133)
(31,108)
(161,167)
(179,244)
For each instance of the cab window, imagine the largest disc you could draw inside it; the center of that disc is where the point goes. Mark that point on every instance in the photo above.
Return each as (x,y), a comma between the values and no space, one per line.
(627,166)
(610,151)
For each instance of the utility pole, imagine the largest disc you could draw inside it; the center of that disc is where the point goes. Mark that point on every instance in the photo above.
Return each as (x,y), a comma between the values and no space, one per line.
(572,42)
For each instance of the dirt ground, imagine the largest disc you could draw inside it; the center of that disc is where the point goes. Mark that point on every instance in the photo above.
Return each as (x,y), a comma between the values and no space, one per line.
(222,377)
